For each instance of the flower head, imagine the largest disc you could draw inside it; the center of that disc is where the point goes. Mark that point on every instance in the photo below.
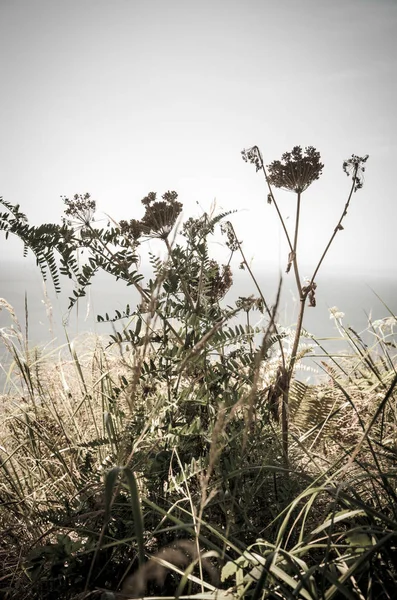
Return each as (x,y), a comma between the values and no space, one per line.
(335,313)
(249,303)
(131,229)
(160,216)
(253,156)
(296,170)
(388,323)
(81,208)
(355,166)
(220,280)
(232,242)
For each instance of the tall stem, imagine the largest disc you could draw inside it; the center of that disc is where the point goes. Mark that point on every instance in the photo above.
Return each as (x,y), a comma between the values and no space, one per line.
(269,312)
(298,205)
(296,338)
(277,208)
(294,256)
(338,227)
(291,247)
(303,298)
(286,384)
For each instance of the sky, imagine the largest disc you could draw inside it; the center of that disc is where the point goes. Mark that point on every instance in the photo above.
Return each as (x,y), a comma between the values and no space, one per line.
(122,97)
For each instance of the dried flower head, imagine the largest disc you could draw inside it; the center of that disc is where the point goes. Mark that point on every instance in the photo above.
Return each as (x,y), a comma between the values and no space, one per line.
(160,216)
(219,281)
(227,229)
(81,208)
(249,303)
(309,291)
(296,170)
(197,229)
(355,166)
(253,156)
(131,229)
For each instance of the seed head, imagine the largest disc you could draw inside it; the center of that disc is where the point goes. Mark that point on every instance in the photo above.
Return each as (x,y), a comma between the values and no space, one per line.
(253,156)
(81,209)
(160,216)
(296,170)
(355,166)
(131,229)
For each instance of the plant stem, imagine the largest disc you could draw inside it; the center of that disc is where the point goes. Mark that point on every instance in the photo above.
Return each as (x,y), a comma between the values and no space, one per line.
(298,330)
(286,383)
(277,208)
(298,204)
(338,227)
(294,258)
(294,246)
(269,312)
(296,338)
(144,295)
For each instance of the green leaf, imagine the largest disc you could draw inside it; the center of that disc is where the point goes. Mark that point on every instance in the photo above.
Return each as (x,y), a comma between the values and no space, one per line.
(136,512)
(111,477)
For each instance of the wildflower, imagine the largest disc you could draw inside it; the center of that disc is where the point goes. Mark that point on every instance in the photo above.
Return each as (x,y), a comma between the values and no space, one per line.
(296,170)
(192,228)
(245,303)
(227,229)
(160,216)
(249,303)
(356,166)
(81,208)
(219,280)
(253,156)
(197,228)
(387,323)
(131,229)
(335,313)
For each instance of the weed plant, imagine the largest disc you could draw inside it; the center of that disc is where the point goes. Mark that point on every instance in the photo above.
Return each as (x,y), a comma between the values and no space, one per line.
(156,462)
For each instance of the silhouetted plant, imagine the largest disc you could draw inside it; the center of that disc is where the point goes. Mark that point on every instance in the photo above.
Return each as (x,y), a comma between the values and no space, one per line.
(296,171)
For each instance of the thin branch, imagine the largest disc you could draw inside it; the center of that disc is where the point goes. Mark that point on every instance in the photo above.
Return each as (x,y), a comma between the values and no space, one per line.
(269,312)
(338,227)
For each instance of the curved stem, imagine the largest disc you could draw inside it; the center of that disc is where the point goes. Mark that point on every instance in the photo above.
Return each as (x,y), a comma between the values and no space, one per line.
(303,298)
(269,312)
(277,208)
(337,228)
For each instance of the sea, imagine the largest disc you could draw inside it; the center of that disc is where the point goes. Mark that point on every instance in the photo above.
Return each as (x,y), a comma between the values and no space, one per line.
(44,319)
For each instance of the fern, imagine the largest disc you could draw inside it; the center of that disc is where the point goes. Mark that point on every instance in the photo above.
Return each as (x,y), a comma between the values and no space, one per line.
(310,408)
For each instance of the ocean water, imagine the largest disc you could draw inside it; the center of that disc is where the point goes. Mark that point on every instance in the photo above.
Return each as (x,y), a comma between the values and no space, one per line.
(359,296)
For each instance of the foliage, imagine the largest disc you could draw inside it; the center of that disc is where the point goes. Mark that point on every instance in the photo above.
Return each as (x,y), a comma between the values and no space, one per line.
(152,462)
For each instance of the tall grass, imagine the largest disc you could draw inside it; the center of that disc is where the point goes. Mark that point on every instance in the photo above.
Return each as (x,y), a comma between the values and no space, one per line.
(95,473)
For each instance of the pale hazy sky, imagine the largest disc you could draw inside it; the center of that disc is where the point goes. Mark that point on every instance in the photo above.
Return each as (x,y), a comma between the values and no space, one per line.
(122,97)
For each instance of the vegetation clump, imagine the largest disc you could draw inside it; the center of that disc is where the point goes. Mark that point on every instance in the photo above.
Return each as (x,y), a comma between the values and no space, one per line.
(181,456)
